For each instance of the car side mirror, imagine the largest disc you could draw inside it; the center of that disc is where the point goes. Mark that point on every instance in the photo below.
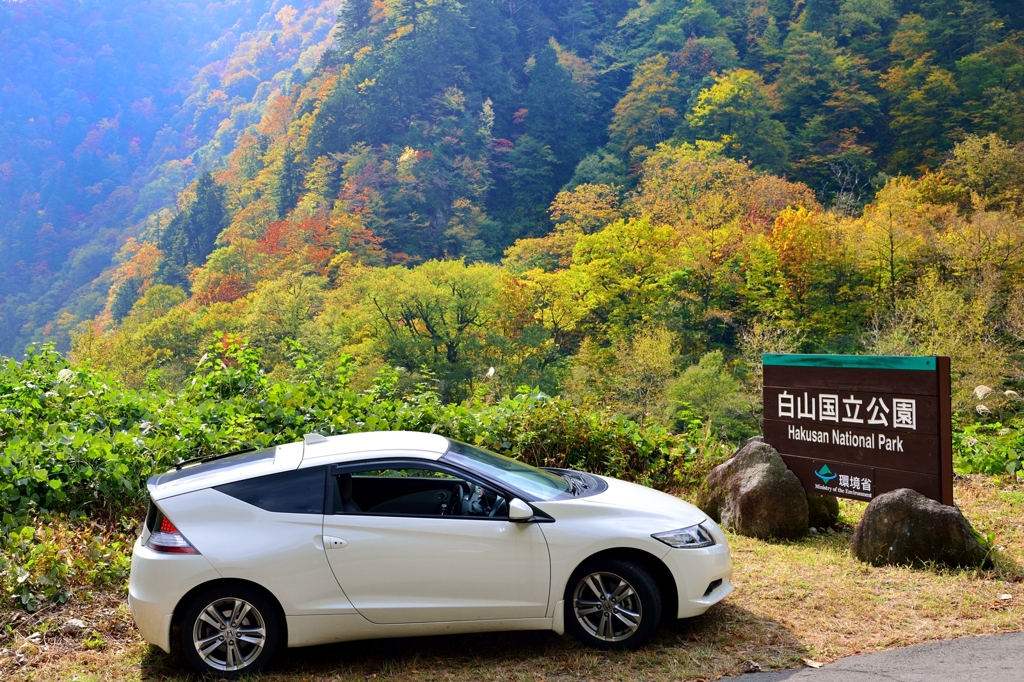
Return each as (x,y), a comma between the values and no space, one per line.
(519,511)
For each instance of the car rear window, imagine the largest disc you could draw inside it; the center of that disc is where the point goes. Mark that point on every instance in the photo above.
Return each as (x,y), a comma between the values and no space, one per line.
(289,492)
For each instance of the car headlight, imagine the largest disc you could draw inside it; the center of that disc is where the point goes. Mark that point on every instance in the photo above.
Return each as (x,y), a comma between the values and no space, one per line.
(690,537)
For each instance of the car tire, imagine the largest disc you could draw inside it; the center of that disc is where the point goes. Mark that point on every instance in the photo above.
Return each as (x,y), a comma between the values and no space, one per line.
(230,630)
(612,604)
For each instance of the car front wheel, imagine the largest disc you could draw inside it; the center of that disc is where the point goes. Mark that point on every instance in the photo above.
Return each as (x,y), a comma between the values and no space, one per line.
(229,631)
(612,604)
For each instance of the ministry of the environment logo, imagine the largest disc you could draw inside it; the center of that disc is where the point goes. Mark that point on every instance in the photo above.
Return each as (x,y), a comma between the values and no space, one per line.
(825,474)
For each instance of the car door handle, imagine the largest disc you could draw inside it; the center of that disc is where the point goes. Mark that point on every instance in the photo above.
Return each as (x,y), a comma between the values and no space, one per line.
(331,542)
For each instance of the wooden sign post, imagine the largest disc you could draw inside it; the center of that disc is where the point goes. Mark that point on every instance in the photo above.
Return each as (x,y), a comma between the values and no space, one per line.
(858,426)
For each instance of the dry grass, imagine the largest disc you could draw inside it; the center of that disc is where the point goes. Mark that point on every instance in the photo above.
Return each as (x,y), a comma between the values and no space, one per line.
(794,600)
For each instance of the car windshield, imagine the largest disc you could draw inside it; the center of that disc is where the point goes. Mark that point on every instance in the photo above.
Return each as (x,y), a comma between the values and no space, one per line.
(540,484)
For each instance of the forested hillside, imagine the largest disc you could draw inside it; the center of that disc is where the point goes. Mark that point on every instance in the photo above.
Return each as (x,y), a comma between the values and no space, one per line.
(621,202)
(106,110)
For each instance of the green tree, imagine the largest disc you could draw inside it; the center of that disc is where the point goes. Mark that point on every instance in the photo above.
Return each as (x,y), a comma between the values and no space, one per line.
(922,99)
(710,389)
(737,111)
(287,183)
(558,109)
(819,15)
(191,235)
(528,187)
(125,296)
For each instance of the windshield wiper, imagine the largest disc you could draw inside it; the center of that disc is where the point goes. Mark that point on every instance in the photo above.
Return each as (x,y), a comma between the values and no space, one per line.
(576,484)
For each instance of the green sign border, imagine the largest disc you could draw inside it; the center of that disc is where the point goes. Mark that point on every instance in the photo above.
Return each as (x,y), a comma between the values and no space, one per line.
(925,364)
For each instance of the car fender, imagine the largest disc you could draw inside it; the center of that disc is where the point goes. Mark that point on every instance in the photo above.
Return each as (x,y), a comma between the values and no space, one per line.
(583,529)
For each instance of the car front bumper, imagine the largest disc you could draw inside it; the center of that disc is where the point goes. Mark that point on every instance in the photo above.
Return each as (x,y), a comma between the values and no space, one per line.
(703,576)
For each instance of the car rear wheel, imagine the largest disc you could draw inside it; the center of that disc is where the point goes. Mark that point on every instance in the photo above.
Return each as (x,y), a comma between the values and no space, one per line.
(612,604)
(229,630)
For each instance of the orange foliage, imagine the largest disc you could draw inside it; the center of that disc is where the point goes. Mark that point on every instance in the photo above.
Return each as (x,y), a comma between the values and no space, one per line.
(366,247)
(308,240)
(276,116)
(142,264)
(219,287)
(802,241)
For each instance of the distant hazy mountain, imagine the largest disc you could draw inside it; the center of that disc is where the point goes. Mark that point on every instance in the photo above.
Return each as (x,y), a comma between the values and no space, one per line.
(107,108)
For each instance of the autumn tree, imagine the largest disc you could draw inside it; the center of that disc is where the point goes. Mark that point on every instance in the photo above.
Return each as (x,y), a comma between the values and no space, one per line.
(892,236)
(649,111)
(436,316)
(737,111)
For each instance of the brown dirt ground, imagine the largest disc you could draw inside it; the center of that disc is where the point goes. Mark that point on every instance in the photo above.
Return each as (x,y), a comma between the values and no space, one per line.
(793,601)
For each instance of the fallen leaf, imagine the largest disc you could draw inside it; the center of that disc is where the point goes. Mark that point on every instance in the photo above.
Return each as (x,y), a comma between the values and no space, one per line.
(812,663)
(751,667)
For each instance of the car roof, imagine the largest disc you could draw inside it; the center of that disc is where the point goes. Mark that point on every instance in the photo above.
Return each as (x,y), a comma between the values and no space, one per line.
(313,450)
(372,444)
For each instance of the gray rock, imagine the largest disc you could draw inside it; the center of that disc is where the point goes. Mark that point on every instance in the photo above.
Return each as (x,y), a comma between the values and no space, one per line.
(905,527)
(822,510)
(755,494)
(73,626)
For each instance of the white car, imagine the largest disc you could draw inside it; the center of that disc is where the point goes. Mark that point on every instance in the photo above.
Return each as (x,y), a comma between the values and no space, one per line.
(394,534)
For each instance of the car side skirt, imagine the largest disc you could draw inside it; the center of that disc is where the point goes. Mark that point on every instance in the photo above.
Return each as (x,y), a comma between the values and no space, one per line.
(329,628)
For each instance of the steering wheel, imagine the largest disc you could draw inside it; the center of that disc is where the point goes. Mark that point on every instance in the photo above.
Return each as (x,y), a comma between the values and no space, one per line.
(496,505)
(458,500)
(476,500)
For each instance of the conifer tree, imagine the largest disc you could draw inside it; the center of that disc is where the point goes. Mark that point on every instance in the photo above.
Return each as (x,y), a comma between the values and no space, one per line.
(191,235)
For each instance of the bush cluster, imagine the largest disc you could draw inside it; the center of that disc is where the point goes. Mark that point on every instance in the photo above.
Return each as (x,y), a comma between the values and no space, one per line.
(77,442)
(78,446)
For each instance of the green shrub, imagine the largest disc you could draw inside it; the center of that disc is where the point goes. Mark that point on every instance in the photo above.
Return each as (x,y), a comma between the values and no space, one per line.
(49,559)
(989,448)
(74,439)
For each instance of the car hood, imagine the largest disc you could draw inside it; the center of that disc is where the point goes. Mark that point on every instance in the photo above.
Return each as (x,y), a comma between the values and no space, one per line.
(641,498)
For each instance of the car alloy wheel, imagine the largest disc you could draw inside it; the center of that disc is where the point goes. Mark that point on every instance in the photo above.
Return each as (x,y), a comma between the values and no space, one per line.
(229,634)
(612,604)
(607,607)
(229,630)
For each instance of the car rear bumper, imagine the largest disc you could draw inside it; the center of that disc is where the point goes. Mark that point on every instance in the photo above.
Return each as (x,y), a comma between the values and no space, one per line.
(158,582)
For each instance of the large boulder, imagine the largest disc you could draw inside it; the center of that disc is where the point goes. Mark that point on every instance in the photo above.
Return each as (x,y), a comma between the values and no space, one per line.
(822,510)
(905,527)
(755,494)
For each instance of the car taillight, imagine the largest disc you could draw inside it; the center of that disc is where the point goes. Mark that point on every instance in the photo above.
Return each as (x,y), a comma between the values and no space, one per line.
(166,538)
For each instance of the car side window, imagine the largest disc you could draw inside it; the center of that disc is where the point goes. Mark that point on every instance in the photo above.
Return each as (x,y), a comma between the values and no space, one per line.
(290,492)
(413,491)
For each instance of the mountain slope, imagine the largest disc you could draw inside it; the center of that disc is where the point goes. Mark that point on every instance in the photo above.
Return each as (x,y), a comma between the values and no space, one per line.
(439,129)
(108,108)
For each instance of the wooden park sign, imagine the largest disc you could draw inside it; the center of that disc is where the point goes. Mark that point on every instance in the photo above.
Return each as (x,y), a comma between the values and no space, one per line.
(858,426)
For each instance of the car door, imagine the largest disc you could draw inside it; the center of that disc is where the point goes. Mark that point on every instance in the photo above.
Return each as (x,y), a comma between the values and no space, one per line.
(403,552)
